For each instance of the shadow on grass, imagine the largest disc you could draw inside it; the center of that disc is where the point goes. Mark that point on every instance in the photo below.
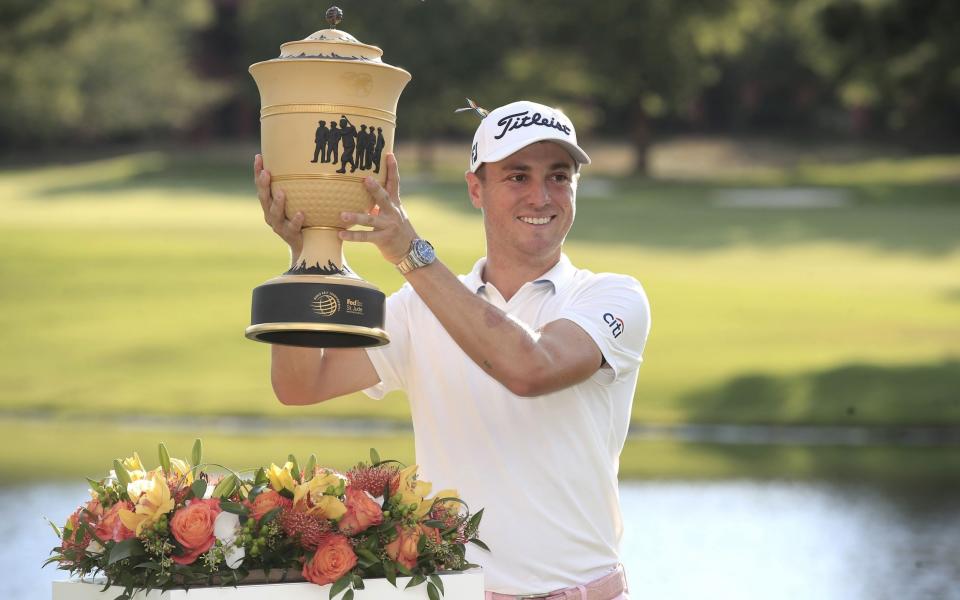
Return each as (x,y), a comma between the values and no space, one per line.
(855,394)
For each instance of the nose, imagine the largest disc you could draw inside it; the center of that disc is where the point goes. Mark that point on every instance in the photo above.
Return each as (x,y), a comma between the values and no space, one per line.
(541,195)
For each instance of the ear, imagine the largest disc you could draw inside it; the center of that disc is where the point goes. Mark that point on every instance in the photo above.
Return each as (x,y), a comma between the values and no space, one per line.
(474,188)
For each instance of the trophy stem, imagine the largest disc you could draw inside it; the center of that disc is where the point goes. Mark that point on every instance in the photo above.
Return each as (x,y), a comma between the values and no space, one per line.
(322,253)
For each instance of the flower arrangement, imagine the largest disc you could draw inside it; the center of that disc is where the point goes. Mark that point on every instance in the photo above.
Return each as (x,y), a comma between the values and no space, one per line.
(180,525)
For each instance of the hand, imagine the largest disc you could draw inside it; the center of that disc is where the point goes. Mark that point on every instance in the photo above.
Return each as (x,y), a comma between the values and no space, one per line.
(273,210)
(392,232)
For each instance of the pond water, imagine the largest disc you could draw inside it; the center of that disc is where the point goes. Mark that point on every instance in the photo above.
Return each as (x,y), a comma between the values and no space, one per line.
(738,540)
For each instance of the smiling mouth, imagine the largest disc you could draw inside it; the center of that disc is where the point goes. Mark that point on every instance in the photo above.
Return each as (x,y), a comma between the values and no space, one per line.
(536,220)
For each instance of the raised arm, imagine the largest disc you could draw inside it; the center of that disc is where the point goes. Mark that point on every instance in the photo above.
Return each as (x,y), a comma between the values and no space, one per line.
(307,375)
(528,363)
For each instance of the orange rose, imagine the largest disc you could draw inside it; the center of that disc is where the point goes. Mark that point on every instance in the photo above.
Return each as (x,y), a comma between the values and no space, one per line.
(403,548)
(334,559)
(111,527)
(192,526)
(432,533)
(362,512)
(265,502)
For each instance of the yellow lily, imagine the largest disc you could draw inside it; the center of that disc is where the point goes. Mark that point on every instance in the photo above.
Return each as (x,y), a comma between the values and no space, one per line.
(411,490)
(426,503)
(181,468)
(314,494)
(281,478)
(134,467)
(152,499)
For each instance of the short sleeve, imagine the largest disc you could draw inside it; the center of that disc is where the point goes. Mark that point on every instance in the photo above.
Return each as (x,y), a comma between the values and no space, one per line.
(614,311)
(389,360)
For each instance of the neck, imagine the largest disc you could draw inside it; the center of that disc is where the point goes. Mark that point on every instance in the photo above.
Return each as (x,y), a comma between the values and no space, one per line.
(508,275)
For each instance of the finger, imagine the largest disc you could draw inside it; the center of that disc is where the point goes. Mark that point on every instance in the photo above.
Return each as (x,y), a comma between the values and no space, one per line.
(293,226)
(257,166)
(372,236)
(365,219)
(393,177)
(379,195)
(277,215)
(263,190)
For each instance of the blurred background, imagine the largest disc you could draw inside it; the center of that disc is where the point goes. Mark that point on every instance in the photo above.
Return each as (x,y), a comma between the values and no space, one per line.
(782,176)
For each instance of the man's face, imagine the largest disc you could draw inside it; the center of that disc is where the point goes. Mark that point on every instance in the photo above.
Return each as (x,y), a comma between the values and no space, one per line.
(528,201)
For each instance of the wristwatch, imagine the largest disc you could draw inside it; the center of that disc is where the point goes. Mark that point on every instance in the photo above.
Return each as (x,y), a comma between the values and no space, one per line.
(421,254)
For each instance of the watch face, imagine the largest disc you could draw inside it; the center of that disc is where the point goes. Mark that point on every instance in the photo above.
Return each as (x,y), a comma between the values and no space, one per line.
(424,252)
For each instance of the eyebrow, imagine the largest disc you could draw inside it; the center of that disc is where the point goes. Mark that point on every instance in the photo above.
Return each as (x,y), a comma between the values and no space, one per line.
(525,167)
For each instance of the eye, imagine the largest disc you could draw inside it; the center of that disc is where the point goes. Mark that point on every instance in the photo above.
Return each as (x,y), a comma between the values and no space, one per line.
(561,177)
(517,177)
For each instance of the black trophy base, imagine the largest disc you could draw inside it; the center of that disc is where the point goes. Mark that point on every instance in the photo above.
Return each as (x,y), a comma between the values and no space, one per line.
(318,312)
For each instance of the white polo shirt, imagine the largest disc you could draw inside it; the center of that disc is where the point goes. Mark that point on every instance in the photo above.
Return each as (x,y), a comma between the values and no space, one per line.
(543,468)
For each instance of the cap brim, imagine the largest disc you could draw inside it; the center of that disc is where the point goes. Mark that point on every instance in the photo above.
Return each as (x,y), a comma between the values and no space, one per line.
(575,151)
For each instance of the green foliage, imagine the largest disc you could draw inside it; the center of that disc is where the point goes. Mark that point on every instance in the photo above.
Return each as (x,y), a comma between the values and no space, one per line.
(76,71)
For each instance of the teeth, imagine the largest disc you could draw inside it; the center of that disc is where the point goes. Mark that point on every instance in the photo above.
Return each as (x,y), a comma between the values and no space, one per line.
(535,220)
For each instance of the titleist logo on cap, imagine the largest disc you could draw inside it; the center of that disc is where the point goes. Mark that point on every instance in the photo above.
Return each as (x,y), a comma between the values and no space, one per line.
(522,119)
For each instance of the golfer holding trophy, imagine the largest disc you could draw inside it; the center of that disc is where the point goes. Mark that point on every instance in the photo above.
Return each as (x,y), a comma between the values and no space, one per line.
(520,374)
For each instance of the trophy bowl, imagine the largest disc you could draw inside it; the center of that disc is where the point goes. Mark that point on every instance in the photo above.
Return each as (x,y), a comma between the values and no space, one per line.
(327,120)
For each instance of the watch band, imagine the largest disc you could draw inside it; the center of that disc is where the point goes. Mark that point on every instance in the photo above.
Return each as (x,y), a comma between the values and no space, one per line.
(420,255)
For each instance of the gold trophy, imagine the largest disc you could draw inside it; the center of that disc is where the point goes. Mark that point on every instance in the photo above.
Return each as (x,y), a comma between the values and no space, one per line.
(327,120)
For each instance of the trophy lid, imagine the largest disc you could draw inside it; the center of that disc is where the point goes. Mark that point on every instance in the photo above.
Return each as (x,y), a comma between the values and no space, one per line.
(330,44)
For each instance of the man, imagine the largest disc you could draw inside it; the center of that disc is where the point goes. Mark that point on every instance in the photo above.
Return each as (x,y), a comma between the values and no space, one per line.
(363,139)
(520,375)
(320,138)
(377,150)
(348,135)
(333,144)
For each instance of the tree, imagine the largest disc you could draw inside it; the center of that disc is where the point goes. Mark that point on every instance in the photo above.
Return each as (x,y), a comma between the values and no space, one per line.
(89,71)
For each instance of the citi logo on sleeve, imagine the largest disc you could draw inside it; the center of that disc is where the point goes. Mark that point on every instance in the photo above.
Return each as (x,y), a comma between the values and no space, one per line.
(615,324)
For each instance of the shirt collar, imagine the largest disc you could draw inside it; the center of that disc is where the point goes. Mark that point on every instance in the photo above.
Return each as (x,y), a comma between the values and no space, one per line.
(559,275)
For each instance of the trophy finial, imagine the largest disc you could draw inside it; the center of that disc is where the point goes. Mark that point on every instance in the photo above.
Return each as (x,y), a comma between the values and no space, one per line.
(334,16)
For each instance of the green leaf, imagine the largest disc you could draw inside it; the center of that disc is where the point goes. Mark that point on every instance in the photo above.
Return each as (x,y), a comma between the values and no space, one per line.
(374,457)
(296,467)
(261,477)
(357,582)
(434,523)
(233,507)
(125,549)
(367,554)
(479,543)
(199,488)
(417,580)
(226,486)
(311,467)
(197,454)
(437,581)
(56,529)
(421,544)
(164,458)
(340,585)
(433,592)
(122,476)
(270,515)
(348,595)
(390,572)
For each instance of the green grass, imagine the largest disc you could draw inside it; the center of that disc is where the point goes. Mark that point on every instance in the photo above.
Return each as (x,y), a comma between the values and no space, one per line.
(127,285)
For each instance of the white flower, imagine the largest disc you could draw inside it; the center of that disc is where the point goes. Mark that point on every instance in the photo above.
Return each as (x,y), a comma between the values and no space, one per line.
(233,555)
(226,528)
(94,547)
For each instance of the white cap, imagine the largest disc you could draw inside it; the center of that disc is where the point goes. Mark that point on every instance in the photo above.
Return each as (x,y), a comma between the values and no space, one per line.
(517,125)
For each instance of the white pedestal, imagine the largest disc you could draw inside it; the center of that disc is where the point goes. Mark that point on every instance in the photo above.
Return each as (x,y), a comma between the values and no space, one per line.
(457,586)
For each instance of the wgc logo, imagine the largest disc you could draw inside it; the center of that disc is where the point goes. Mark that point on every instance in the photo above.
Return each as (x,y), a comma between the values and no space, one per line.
(325,304)
(615,324)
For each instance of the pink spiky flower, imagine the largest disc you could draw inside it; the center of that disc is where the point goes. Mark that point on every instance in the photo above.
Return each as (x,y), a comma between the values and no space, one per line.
(372,480)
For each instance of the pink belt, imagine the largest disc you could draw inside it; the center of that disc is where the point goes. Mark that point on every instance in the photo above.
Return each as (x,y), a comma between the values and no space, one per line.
(608,587)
